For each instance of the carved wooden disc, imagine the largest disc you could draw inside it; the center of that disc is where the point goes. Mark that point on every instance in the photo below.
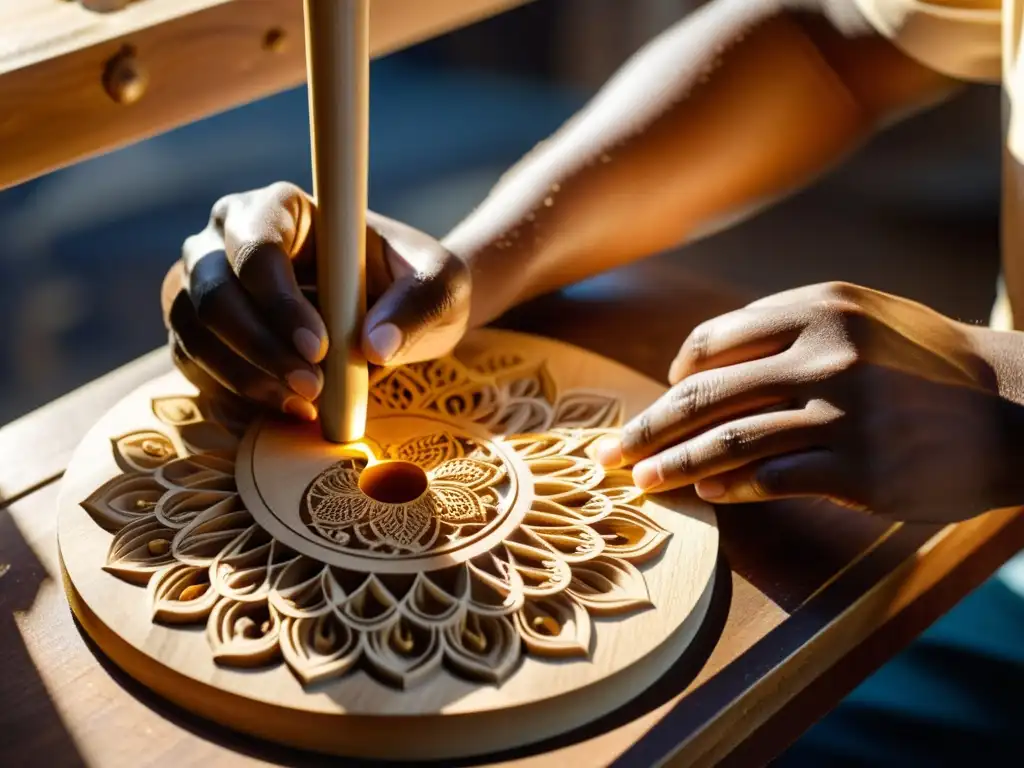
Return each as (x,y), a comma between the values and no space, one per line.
(467,576)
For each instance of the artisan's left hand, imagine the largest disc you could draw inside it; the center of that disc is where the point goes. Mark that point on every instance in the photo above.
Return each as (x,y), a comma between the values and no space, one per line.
(837,391)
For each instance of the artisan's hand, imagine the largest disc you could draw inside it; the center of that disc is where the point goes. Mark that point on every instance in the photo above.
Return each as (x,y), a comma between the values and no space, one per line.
(832,391)
(239,320)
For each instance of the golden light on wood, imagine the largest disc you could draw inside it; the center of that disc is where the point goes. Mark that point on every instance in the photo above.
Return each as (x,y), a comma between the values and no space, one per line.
(338,73)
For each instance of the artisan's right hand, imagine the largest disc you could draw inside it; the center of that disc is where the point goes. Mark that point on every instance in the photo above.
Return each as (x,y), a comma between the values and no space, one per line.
(239,321)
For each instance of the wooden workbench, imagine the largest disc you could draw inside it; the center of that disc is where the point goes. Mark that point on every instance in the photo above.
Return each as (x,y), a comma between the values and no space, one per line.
(809,601)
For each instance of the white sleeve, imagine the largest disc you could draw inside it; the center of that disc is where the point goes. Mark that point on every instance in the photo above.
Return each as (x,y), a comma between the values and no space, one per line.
(962,40)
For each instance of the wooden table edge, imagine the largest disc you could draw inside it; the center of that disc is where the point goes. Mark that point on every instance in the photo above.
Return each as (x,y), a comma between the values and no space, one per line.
(882,621)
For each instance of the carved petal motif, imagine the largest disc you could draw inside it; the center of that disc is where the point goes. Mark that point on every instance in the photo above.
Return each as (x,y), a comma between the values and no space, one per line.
(563,478)
(142,451)
(483,648)
(605,585)
(631,535)
(429,451)
(587,410)
(555,626)
(403,652)
(399,389)
(370,606)
(181,594)
(455,505)
(243,634)
(123,499)
(521,414)
(176,509)
(139,549)
(495,588)
(199,542)
(542,572)
(208,471)
(302,589)
(320,647)
(469,473)
(334,499)
(533,382)
(570,541)
(248,567)
(429,604)
(177,410)
(403,526)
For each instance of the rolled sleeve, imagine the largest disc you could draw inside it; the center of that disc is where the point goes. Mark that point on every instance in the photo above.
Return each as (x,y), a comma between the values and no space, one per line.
(962,41)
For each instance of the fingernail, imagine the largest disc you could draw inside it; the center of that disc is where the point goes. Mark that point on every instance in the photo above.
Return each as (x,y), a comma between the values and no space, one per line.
(385,339)
(299,408)
(304,383)
(310,345)
(609,452)
(710,489)
(647,475)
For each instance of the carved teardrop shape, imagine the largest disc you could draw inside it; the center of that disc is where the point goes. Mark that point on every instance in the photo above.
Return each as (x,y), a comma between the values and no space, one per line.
(248,567)
(542,573)
(573,543)
(631,535)
(243,634)
(370,606)
(532,381)
(176,509)
(427,603)
(495,587)
(181,594)
(177,410)
(301,590)
(403,653)
(485,648)
(619,488)
(318,648)
(587,410)
(140,549)
(123,499)
(564,478)
(521,414)
(196,472)
(199,542)
(542,445)
(606,586)
(399,389)
(142,451)
(555,626)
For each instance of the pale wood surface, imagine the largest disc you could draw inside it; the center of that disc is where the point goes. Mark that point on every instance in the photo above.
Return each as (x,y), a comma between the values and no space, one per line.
(338,77)
(202,57)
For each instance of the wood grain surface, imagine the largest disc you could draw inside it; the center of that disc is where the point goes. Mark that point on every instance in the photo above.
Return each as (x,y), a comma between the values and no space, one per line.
(199,57)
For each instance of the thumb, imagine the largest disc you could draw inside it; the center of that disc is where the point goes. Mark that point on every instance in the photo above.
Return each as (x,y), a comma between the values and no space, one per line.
(421,316)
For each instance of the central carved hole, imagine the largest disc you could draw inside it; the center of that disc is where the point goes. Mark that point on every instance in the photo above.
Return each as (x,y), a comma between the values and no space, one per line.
(393,482)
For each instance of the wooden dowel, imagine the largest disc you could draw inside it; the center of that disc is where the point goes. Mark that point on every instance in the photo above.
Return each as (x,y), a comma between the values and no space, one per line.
(338,75)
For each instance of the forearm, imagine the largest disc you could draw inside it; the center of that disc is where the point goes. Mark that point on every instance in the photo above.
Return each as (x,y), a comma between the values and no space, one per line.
(723,113)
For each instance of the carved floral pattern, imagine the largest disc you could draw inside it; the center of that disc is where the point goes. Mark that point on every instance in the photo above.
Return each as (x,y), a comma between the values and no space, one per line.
(460,499)
(181,529)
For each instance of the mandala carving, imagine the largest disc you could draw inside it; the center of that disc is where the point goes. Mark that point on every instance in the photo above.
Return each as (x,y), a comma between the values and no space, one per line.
(576,555)
(461,496)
